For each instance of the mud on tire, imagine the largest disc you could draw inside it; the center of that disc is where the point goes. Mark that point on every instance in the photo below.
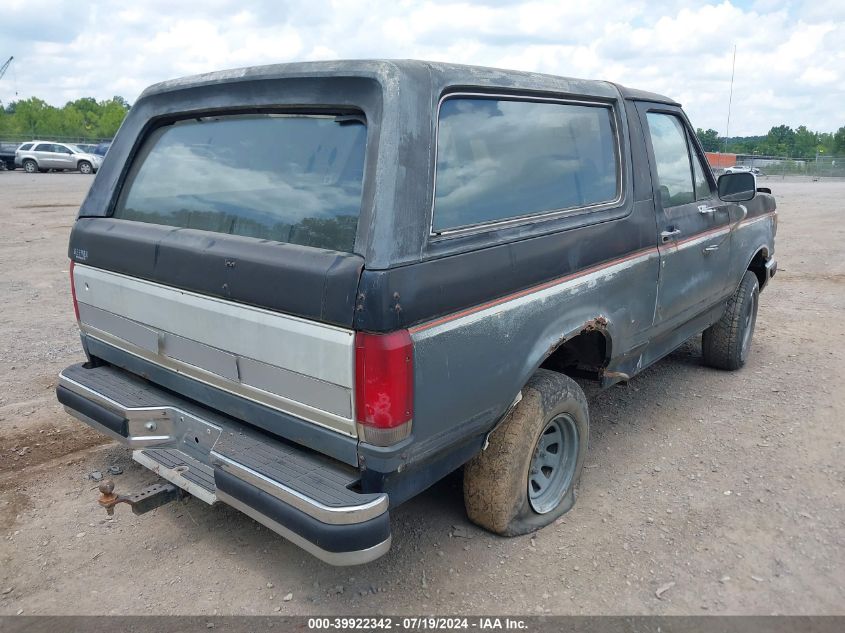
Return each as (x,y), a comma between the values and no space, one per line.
(497,481)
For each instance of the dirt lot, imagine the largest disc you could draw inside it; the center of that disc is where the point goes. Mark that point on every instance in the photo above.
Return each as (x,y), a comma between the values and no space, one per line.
(727,488)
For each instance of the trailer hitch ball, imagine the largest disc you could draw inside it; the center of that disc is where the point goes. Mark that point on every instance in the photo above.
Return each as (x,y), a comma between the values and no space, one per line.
(107,497)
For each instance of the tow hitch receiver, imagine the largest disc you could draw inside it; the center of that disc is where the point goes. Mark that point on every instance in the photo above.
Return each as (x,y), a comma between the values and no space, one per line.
(147,499)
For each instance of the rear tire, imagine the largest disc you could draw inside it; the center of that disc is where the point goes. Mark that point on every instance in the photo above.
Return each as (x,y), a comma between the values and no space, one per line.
(528,475)
(30,166)
(726,343)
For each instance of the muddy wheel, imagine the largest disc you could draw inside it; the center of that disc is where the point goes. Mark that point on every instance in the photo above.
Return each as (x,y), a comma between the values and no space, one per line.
(527,476)
(726,343)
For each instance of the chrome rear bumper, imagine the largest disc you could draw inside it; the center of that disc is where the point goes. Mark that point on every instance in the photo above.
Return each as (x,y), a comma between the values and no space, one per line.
(305,497)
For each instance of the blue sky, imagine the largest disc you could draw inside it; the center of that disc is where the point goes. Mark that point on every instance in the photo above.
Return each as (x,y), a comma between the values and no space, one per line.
(790,55)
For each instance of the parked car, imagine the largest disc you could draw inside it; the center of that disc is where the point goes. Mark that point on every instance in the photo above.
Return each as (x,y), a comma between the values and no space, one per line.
(385,271)
(100,149)
(7,155)
(45,155)
(738,169)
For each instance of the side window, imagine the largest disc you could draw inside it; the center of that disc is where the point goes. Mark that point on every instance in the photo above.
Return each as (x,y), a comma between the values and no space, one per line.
(674,174)
(61,149)
(43,147)
(702,185)
(25,147)
(500,159)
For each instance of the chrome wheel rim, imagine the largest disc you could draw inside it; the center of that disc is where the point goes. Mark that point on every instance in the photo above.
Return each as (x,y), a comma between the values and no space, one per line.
(85,168)
(29,168)
(553,464)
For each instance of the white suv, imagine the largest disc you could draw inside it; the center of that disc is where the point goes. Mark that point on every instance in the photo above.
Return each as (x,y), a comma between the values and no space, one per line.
(742,168)
(45,155)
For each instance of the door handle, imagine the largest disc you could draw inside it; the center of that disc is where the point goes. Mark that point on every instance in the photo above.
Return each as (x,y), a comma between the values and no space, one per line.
(710,248)
(668,235)
(703,209)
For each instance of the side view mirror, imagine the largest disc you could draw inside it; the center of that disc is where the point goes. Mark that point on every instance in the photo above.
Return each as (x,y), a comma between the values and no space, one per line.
(737,187)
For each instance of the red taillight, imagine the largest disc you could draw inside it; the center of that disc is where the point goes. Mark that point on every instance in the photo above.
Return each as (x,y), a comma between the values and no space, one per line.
(73,291)
(384,386)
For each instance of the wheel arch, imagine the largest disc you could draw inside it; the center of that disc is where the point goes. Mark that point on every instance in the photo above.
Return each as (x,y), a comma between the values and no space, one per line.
(583,352)
(757,265)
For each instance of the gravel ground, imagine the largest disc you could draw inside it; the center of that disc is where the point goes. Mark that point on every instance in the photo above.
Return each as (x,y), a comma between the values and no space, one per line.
(721,492)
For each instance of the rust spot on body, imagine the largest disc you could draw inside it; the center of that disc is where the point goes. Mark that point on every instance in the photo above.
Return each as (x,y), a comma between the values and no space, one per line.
(599,324)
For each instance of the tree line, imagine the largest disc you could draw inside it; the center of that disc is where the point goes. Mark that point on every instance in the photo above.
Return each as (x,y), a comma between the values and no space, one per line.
(87,118)
(781,140)
(84,118)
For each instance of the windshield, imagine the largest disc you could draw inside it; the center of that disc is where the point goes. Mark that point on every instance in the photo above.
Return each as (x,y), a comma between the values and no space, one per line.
(287,178)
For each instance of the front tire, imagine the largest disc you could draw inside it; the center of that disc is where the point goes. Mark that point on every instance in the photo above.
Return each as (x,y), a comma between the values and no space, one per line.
(726,343)
(30,166)
(528,475)
(85,167)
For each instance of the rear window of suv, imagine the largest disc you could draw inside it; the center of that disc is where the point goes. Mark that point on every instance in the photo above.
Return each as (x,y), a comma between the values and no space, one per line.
(284,177)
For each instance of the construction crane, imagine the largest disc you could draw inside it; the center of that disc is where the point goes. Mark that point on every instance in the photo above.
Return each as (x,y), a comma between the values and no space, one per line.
(3,70)
(5,66)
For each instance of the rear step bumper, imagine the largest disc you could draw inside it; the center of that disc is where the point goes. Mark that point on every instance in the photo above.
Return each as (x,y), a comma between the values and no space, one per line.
(303,496)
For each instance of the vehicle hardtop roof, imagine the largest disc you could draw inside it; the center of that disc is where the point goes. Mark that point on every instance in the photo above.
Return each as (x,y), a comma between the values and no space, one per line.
(388,71)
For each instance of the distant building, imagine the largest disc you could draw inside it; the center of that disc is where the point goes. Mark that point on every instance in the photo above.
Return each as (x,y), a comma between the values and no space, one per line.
(718,160)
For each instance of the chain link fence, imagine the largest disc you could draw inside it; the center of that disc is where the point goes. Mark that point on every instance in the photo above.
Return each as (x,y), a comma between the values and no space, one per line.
(17,140)
(820,167)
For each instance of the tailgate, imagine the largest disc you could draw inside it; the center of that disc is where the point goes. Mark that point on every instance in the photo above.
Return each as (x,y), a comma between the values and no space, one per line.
(298,366)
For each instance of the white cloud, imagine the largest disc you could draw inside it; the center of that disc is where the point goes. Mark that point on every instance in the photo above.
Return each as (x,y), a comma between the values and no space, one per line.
(815,76)
(790,55)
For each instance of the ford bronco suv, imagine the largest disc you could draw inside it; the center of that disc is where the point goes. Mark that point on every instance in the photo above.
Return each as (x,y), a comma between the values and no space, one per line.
(310,291)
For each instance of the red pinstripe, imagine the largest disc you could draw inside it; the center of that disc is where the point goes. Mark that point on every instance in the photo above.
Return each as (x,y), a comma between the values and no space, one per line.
(560,280)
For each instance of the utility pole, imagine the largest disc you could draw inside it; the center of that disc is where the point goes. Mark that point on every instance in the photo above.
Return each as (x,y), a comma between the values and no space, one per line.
(730,99)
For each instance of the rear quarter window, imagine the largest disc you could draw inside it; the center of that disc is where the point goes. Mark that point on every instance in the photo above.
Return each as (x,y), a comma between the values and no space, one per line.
(503,159)
(25,147)
(281,177)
